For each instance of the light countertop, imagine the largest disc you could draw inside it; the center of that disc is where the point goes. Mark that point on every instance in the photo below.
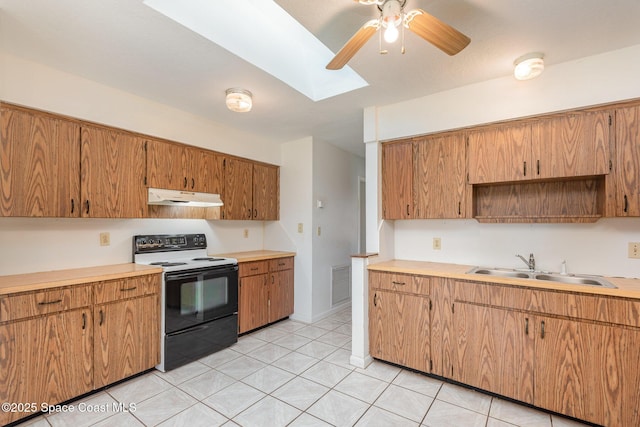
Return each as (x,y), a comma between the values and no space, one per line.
(56,278)
(626,288)
(257,255)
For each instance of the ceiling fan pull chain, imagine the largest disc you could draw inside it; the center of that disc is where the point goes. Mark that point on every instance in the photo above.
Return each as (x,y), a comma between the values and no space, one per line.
(382,52)
(402,35)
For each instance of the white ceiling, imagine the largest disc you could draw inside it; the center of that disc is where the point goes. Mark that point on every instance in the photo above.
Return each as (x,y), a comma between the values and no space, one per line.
(129,46)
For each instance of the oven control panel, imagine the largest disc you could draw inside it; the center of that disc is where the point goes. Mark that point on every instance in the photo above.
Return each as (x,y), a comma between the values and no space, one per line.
(168,242)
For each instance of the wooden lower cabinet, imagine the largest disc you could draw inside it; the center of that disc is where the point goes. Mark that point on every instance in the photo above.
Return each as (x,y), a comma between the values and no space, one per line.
(588,371)
(126,339)
(494,350)
(266,292)
(399,329)
(60,343)
(253,302)
(46,359)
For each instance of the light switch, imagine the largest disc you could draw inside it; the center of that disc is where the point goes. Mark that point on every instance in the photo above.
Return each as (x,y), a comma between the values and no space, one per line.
(437,243)
(105,239)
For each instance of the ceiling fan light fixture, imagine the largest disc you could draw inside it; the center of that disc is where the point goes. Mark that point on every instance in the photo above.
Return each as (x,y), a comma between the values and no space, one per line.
(391,19)
(528,66)
(239,100)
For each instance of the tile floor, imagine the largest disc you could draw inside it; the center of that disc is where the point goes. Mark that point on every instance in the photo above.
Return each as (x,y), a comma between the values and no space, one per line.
(293,374)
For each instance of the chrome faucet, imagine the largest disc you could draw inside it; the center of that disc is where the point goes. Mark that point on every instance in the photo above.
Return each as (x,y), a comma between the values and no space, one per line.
(531,263)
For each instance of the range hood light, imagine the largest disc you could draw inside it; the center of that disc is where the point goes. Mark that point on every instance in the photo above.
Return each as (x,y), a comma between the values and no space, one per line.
(159,196)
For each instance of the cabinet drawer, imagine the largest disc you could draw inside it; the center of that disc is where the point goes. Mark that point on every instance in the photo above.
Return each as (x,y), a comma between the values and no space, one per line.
(114,290)
(399,282)
(494,294)
(253,268)
(281,264)
(32,304)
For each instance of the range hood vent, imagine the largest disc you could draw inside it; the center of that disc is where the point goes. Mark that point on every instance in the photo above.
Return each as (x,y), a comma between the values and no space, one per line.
(159,196)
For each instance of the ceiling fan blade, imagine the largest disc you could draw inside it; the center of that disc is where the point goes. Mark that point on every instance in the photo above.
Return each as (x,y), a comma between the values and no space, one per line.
(436,32)
(353,45)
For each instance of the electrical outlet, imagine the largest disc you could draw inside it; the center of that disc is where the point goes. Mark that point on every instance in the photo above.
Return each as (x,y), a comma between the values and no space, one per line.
(437,243)
(105,239)
(246,233)
(634,250)
(299,227)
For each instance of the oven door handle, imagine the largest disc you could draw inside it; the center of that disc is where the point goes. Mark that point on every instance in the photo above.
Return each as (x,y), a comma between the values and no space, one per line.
(205,273)
(187,331)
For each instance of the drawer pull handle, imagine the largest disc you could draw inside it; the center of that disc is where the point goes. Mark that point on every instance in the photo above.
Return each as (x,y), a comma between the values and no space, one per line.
(84,320)
(128,289)
(73,205)
(101,317)
(542,329)
(398,283)
(282,264)
(57,301)
(254,268)
(526,326)
(375,300)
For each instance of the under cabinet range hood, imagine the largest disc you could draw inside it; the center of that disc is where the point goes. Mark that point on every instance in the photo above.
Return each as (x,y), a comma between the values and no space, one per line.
(160,196)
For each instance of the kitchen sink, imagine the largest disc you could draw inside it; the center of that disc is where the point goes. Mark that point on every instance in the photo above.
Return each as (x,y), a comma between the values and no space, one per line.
(574,279)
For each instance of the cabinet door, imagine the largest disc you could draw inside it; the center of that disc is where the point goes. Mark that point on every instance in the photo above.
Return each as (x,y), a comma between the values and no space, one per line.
(46,359)
(440,180)
(572,145)
(126,338)
(39,165)
(500,153)
(494,350)
(397,180)
(113,173)
(167,165)
(265,192)
(399,329)
(253,300)
(441,326)
(280,295)
(238,189)
(588,371)
(628,161)
(208,172)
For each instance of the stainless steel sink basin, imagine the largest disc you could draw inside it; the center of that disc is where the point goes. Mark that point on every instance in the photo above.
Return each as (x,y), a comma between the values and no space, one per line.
(576,280)
(501,273)
(549,277)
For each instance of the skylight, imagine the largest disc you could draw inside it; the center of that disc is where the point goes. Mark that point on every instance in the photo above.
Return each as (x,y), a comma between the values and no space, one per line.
(264,34)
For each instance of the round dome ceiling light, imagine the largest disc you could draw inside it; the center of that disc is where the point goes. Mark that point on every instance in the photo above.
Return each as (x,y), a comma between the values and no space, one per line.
(239,100)
(528,66)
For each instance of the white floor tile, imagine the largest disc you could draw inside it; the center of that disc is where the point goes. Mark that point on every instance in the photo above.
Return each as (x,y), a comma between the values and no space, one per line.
(558,421)
(306,420)
(312,332)
(269,353)
(518,414)
(247,344)
(268,412)
(183,373)
(163,406)
(335,338)
(362,387)
(233,399)
(292,342)
(326,373)
(338,409)
(139,389)
(419,383)
(206,384)
(199,415)
(404,402)
(443,414)
(86,412)
(381,371)
(300,393)
(317,349)
(220,358)
(241,367)
(122,419)
(328,324)
(340,357)
(376,417)
(268,378)
(465,398)
(295,362)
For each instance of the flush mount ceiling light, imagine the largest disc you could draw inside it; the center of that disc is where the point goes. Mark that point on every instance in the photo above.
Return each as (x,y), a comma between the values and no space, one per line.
(239,100)
(528,66)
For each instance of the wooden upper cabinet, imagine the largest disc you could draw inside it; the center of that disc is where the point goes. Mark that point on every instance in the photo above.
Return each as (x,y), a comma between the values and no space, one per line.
(572,145)
(500,153)
(397,180)
(39,164)
(238,189)
(251,190)
(113,174)
(627,169)
(440,181)
(265,192)
(181,167)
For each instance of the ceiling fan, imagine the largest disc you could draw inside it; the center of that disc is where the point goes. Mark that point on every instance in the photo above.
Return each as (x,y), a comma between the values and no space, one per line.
(392,15)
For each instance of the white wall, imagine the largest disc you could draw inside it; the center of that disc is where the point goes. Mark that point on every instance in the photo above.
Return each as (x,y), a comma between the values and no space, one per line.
(599,248)
(296,181)
(335,183)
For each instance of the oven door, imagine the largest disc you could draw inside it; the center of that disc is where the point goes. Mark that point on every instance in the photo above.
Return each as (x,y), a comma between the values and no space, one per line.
(197,296)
